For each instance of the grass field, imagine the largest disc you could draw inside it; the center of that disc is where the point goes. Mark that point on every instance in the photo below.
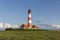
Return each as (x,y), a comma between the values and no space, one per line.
(30,35)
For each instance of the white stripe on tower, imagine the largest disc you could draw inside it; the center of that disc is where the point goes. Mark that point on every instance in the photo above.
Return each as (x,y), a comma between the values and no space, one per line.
(29,15)
(29,19)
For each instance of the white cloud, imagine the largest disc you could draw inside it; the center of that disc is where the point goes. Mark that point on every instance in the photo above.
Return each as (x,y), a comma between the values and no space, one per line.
(46,26)
(43,26)
(14,26)
(7,25)
(57,26)
(1,25)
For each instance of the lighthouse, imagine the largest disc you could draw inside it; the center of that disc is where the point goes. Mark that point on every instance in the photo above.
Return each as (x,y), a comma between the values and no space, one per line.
(29,25)
(29,19)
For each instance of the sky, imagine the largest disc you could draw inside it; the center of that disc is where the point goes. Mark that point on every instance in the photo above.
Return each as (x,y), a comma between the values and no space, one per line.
(16,11)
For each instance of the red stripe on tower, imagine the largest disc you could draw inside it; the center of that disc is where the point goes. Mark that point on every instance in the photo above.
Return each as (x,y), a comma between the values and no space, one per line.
(29,19)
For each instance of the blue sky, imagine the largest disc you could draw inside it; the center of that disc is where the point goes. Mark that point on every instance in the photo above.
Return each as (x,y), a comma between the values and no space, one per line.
(15,11)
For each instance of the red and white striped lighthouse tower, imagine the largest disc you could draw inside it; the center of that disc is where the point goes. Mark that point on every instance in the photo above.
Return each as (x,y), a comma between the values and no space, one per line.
(29,19)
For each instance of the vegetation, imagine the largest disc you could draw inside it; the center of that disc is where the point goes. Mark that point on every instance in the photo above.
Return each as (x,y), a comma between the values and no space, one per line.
(30,34)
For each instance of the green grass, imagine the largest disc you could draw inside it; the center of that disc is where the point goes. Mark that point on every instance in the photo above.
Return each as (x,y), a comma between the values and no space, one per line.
(30,35)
